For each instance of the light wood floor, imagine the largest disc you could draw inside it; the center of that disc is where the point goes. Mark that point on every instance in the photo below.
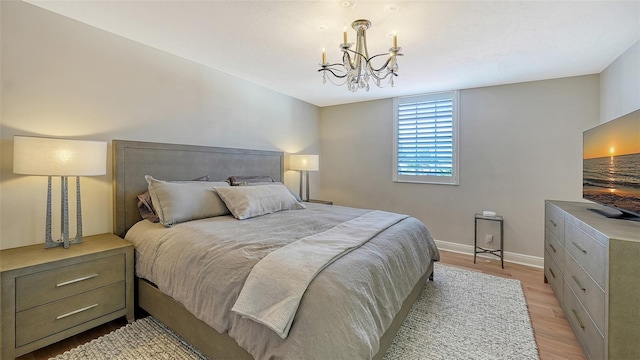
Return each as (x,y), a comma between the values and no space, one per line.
(553,334)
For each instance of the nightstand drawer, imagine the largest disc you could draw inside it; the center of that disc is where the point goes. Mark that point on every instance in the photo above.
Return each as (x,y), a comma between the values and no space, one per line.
(47,286)
(42,321)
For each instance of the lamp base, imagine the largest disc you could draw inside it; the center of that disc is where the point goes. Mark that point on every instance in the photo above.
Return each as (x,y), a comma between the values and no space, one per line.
(64,241)
(55,243)
(304,174)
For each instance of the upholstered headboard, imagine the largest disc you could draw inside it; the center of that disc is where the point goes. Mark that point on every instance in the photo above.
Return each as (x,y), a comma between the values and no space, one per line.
(132,160)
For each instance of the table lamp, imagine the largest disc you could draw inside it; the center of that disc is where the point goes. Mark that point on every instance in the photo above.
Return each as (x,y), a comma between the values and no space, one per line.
(304,164)
(60,157)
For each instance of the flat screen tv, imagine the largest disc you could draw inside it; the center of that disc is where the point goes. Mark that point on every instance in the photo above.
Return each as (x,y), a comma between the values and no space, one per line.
(611,166)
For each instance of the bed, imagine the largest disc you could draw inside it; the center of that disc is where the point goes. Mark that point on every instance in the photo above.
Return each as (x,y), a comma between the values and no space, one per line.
(395,263)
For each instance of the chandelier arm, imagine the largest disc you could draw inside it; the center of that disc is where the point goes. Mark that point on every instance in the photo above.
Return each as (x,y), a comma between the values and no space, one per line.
(346,58)
(374,70)
(337,84)
(334,74)
(380,78)
(383,65)
(355,53)
(383,54)
(386,75)
(379,74)
(386,63)
(330,65)
(375,56)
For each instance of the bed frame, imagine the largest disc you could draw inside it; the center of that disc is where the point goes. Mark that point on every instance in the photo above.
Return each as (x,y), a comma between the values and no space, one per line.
(132,160)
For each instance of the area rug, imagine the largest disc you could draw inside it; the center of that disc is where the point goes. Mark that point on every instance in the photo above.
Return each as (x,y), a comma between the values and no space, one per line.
(462,314)
(465,314)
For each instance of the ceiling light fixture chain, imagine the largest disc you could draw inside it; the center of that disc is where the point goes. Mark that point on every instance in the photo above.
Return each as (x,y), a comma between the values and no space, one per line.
(356,67)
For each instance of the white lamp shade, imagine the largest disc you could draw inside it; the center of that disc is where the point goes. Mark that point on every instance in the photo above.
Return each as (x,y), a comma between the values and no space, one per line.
(304,162)
(58,157)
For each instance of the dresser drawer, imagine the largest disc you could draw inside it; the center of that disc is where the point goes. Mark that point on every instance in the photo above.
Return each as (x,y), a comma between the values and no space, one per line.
(555,249)
(554,222)
(589,253)
(42,321)
(587,291)
(47,286)
(554,275)
(585,330)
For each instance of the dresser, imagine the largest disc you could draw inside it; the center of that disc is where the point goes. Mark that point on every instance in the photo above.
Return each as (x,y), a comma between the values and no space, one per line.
(51,294)
(592,263)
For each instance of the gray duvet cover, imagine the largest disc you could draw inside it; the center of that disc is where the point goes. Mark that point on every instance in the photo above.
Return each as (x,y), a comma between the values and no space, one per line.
(203,265)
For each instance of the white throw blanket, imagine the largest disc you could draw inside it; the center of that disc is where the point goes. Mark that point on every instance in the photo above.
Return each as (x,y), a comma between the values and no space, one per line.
(274,288)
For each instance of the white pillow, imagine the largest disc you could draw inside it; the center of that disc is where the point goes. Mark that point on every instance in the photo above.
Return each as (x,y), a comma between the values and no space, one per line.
(177,202)
(246,202)
(296,196)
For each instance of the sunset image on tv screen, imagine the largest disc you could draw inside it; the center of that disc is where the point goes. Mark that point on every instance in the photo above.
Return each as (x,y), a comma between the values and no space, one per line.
(611,163)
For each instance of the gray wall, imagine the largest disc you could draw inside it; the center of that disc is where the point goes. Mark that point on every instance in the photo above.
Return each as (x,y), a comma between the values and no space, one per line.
(519,144)
(620,85)
(62,78)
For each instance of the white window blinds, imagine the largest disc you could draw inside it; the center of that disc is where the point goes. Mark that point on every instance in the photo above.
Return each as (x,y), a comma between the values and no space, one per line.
(426,138)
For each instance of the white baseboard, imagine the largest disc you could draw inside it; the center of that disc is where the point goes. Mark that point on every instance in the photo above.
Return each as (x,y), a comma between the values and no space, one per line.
(528,260)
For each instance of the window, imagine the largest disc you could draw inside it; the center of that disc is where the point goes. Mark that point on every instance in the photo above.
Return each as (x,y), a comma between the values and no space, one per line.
(426,138)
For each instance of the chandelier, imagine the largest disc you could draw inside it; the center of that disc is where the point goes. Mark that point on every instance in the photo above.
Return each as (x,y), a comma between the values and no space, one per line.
(356,68)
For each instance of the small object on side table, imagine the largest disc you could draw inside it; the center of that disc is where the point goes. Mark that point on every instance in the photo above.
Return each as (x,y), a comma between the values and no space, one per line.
(48,295)
(480,250)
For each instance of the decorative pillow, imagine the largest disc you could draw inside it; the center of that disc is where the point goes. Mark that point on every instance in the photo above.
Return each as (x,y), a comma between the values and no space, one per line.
(296,196)
(145,204)
(145,207)
(244,180)
(176,202)
(246,202)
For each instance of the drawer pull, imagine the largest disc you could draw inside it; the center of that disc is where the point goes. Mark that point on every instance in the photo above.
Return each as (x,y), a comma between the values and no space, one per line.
(553,223)
(578,283)
(577,319)
(76,280)
(579,247)
(76,311)
(552,247)
(552,273)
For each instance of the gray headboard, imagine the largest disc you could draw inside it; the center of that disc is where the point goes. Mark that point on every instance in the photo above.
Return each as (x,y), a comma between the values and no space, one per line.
(132,160)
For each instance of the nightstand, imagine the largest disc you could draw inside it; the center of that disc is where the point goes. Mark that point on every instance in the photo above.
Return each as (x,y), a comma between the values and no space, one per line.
(48,295)
(324,202)
(480,250)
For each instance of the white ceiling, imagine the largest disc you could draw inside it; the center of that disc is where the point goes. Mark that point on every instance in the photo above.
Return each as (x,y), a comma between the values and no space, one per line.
(447,44)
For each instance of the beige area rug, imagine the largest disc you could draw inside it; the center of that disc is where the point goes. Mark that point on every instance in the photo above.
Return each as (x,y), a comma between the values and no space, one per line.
(462,314)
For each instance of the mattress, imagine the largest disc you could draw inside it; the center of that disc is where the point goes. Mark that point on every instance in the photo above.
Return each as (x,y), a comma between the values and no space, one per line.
(203,264)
